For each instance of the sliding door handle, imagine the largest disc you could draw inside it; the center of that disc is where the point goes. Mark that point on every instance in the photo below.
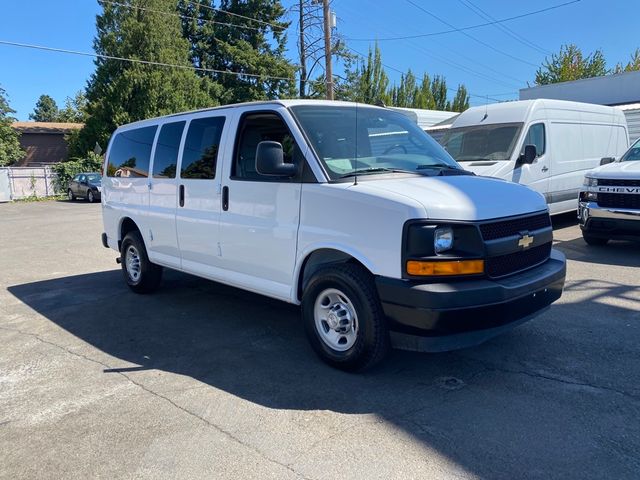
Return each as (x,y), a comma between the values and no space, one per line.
(225,198)
(181,195)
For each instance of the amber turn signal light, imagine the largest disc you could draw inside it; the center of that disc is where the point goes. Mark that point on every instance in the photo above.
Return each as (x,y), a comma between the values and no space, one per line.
(457,267)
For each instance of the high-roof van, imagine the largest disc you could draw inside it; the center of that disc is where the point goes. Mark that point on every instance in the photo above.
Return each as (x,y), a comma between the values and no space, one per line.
(351,211)
(547,145)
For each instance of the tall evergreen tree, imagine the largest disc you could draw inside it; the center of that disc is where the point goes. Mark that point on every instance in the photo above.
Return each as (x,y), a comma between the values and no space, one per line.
(424,96)
(10,151)
(248,39)
(461,100)
(75,109)
(46,110)
(439,92)
(369,83)
(633,64)
(571,64)
(121,92)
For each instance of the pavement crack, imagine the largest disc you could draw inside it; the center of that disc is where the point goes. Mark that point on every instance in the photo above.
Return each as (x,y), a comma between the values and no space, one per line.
(221,430)
(488,367)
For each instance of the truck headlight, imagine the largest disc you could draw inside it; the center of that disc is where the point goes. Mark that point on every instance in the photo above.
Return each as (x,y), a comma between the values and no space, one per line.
(443,239)
(590,182)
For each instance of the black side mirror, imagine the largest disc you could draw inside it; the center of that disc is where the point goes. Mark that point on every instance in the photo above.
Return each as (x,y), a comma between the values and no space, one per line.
(607,160)
(530,154)
(270,160)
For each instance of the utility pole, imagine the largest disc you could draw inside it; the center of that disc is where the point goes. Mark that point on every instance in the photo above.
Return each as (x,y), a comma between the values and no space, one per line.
(326,13)
(303,54)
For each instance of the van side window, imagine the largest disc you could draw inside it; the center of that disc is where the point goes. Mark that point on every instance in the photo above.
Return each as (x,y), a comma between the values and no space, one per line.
(535,136)
(165,159)
(255,128)
(130,153)
(201,148)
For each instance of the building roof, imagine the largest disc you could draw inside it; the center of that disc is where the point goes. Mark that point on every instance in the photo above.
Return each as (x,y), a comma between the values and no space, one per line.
(46,127)
(616,89)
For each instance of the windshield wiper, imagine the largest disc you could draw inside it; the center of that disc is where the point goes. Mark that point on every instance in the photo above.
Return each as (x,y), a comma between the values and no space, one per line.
(365,171)
(445,169)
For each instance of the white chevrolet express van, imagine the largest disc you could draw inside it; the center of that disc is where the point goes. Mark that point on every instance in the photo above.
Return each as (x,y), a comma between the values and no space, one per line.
(564,140)
(351,211)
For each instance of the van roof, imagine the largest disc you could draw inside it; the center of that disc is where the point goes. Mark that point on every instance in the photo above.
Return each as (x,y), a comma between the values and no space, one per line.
(284,103)
(518,111)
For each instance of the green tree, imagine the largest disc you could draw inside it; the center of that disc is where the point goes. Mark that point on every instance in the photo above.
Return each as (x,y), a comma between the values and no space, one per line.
(439,92)
(424,96)
(632,66)
(571,64)
(10,151)
(248,40)
(368,83)
(461,100)
(46,110)
(75,109)
(121,92)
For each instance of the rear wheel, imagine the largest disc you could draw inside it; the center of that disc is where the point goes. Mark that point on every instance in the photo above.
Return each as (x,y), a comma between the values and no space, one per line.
(141,275)
(70,195)
(596,241)
(343,318)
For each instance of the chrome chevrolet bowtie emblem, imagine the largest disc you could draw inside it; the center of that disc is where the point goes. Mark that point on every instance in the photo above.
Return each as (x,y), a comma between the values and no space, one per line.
(525,240)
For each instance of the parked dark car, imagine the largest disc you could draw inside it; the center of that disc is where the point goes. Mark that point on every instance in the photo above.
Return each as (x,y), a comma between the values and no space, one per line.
(85,185)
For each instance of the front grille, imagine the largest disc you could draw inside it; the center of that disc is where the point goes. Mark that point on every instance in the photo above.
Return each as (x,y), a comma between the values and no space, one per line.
(515,262)
(506,228)
(619,200)
(613,182)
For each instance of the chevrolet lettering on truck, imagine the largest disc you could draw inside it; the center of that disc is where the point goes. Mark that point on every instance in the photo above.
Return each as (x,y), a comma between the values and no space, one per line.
(348,210)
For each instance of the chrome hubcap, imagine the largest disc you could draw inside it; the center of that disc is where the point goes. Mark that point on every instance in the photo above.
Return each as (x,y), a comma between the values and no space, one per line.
(132,263)
(336,319)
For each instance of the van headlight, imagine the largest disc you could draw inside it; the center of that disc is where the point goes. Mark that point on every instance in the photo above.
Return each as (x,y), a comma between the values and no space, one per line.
(443,239)
(590,182)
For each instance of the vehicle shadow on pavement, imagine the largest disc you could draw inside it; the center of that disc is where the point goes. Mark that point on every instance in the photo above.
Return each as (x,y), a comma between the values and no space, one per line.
(557,397)
(615,253)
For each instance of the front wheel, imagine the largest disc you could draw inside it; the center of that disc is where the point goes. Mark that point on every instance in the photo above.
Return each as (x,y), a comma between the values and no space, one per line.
(343,318)
(90,197)
(141,275)
(595,241)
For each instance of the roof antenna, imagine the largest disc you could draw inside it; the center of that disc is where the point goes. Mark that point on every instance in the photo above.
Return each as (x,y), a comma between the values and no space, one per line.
(355,173)
(485,109)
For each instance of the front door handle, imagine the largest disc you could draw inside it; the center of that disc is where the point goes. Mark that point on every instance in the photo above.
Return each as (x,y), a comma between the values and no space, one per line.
(225,198)
(181,195)
(545,169)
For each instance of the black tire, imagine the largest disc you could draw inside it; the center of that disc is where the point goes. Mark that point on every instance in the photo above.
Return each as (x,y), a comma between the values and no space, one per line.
(372,337)
(594,241)
(90,197)
(148,275)
(70,195)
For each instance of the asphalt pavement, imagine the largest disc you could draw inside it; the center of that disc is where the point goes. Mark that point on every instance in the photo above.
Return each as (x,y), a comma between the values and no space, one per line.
(200,380)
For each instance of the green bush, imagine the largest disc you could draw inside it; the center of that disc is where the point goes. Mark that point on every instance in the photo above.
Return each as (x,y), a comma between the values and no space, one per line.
(65,171)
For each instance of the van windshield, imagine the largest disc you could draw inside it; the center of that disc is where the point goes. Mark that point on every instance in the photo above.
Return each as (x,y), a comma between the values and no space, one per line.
(482,142)
(367,140)
(633,153)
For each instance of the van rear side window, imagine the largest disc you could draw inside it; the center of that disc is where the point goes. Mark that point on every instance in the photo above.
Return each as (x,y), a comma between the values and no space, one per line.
(165,158)
(201,148)
(130,153)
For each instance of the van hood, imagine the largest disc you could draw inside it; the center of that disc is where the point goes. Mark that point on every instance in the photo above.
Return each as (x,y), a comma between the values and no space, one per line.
(467,198)
(619,170)
(485,168)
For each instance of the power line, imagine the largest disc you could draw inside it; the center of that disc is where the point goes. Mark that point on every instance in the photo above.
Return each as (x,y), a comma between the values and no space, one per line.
(145,62)
(502,52)
(170,14)
(483,14)
(232,14)
(461,29)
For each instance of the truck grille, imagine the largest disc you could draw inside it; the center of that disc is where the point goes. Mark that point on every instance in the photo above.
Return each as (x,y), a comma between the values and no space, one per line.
(511,263)
(612,182)
(619,200)
(506,228)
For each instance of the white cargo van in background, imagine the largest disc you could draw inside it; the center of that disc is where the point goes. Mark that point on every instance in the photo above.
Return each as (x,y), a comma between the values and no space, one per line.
(567,139)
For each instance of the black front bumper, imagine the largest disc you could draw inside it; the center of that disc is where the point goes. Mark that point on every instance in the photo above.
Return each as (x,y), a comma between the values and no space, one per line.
(462,313)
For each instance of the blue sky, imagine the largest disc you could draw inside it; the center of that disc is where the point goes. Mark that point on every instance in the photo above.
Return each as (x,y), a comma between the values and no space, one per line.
(591,24)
